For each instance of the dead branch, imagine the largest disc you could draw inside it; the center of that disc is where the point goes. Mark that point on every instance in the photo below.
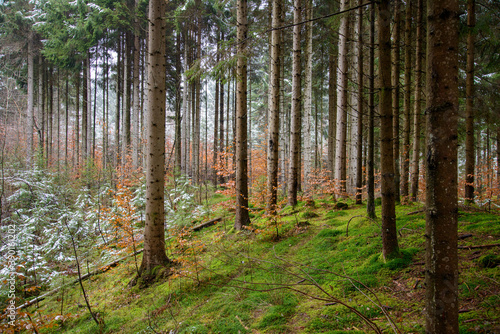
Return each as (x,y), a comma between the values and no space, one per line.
(206,224)
(478,246)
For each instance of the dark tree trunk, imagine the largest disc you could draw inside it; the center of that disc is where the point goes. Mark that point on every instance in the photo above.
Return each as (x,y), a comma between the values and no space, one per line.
(273,123)
(469,104)
(390,248)
(395,96)
(404,179)
(295,112)
(417,103)
(370,182)
(441,274)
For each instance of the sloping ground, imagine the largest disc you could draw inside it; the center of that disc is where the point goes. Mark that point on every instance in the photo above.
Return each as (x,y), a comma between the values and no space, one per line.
(310,278)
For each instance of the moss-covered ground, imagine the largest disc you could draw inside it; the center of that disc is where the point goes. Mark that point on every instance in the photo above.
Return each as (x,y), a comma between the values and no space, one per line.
(300,272)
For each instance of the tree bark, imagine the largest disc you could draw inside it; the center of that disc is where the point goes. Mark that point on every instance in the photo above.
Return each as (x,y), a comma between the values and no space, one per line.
(359,139)
(30,114)
(395,96)
(137,88)
(241,216)
(332,109)
(308,131)
(390,248)
(295,127)
(370,182)
(469,104)
(273,121)
(340,151)
(407,106)
(417,103)
(154,230)
(118,103)
(441,274)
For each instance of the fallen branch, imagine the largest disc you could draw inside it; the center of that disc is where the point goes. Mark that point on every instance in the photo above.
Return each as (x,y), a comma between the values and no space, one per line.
(84,277)
(206,224)
(479,246)
(358,216)
(415,212)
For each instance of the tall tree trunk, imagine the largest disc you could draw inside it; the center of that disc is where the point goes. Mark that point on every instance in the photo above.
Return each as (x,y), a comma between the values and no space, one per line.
(295,113)
(360,111)
(395,95)
(370,182)
(273,120)
(441,272)
(66,122)
(50,115)
(469,104)
(216,118)
(407,106)
(77,120)
(340,151)
(85,110)
(241,216)
(41,107)
(154,230)
(178,102)
(308,149)
(118,104)
(390,248)
(197,114)
(418,103)
(30,114)
(137,89)
(332,108)
(126,141)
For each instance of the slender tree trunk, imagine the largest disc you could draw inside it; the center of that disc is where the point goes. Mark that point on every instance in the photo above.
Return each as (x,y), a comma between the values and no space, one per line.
(359,139)
(77,120)
(332,109)
(30,114)
(137,88)
(308,97)
(118,104)
(390,248)
(395,95)
(197,114)
(154,230)
(216,118)
(273,120)
(340,151)
(41,107)
(241,216)
(418,103)
(370,182)
(469,104)
(407,106)
(295,113)
(441,272)
(66,122)
(85,110)
(178,105)
(127,92)
(50,115)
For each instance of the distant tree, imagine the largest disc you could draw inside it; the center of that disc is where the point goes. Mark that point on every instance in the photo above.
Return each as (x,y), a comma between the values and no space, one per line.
(406,105)
(370,168)
(441,274)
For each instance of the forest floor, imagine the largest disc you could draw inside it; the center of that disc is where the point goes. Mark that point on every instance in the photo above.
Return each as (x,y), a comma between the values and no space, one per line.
(312,269)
